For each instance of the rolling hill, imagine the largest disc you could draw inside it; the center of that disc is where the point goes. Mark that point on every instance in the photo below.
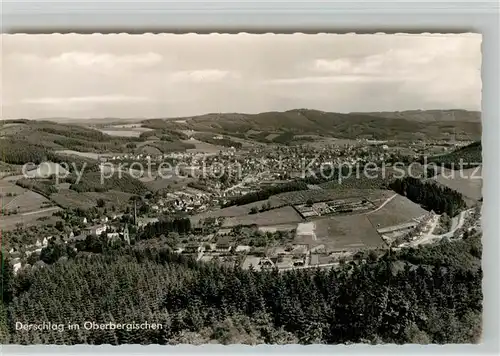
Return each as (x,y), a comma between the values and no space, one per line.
(432,124)
(430,115)
(465,157)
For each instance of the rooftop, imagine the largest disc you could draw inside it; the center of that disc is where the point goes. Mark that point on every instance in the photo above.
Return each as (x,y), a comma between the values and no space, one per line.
(411,224)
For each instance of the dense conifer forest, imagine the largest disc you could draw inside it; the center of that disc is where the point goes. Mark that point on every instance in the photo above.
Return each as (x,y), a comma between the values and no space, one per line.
(430,195)
(462,158)
(425,295)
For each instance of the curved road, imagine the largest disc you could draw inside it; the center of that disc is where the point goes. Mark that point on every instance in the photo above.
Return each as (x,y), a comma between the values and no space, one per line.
(382,205)
(457,223)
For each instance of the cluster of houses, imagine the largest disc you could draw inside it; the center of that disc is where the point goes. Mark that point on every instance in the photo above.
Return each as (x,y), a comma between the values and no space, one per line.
(295,256)
(187,200)
(98,230)
(17,255)
(407,231)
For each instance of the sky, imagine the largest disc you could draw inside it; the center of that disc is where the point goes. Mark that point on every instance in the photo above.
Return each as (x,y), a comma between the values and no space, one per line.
(144,76)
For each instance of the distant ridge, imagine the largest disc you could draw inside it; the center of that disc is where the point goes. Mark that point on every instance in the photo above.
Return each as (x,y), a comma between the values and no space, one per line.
(429,115)
(381,125)
(412,115)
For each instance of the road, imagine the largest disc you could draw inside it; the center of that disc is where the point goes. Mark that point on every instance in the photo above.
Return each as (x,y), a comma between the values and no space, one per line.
(40,211)
(382,205)
(457,223)
(239,185)
(12,201)
(325,265)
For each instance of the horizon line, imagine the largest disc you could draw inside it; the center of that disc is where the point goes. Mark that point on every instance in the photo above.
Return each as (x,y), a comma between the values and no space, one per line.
(227,113)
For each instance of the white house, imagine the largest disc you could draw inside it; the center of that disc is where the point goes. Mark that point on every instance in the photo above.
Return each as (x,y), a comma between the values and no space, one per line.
(193,248)
(243,248)
(112,235)
(97,229)
(16,264)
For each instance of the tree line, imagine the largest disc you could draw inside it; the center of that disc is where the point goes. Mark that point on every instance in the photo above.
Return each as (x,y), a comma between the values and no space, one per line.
(265,193)
(466,157)
(430,195)
(163,227)
(389,300)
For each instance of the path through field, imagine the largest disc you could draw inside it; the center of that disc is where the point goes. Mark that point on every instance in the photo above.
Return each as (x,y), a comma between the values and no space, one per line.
(383,204)
(41,211)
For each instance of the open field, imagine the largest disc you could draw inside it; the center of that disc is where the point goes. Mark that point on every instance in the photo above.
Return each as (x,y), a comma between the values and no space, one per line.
(46,169)
(7,187)
(397,211)
(245,143)
(147,142)
(28,219)
(122,133)
(171,183)
(7,169)
(233,211)
(24,200)
(306,232)
(468,182)
(348,232)
(203,147)
(149,150)
(11,128)
(92,155)
(112,197)
(375,196)
(320,142)
(317,195)
(279,216)
(71,199)
(30,206)
(272,136)
(131,126)
(274,228)
(130,130)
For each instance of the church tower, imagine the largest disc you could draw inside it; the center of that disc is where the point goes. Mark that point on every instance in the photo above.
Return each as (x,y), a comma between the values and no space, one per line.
(126,236)
(135,212)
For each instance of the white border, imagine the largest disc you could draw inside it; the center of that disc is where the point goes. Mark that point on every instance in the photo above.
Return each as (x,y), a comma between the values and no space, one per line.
(309,17)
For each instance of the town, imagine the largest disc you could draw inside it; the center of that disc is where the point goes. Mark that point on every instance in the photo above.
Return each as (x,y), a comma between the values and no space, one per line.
(245,189)
(254,212)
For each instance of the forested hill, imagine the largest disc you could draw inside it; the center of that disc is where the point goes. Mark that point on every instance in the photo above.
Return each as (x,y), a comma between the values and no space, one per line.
(426,295)
(465,157)
(400,125)
(25,141)
(431,115)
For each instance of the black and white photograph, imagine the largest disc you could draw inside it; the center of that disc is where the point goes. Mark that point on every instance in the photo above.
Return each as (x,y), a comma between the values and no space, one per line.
(167,189)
